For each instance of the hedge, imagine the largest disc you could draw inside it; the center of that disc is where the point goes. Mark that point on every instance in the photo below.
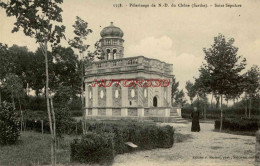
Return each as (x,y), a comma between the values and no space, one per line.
(238,124)
(145,136)
(214,113)
(93,148)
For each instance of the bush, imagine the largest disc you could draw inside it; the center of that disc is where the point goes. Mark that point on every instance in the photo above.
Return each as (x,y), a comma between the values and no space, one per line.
(9,124)
(238,124)
(93,148)
(76,113)
(214,113)
(145,136)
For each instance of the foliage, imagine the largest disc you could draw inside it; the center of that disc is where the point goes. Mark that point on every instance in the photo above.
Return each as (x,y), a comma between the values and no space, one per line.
(63,96)
(238,124)
(191,92)
(13,85)
(63,120)
(223,67)
(252,80)
(9,124)
(67,69)
(93,148)
(180,98)
(213,113)
(4,61)
(145,136)
(175,85)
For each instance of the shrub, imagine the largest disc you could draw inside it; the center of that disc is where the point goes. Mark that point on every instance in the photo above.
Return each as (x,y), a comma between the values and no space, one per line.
(63,120)
(93,148)
(9,124)
(76,113)
(238,124)
(145,136)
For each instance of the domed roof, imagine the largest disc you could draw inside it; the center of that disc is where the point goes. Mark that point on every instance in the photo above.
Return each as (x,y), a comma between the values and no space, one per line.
(112,31)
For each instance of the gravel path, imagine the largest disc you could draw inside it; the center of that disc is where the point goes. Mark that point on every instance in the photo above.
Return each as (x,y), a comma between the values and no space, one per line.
(204,148)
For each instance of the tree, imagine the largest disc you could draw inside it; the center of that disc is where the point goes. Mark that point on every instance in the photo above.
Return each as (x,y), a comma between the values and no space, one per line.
(191,92)
(13,85)
(81,32)
(180,98)
(3,65)
(175,85)
(67,69)
(252,84)
(224,67)
(202,87)
(38,20)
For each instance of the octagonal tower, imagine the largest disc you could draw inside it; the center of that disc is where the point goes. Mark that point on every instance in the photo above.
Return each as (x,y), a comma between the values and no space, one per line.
(112,42)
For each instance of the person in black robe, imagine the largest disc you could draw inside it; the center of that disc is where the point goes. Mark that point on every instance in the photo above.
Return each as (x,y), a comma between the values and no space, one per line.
(195,115)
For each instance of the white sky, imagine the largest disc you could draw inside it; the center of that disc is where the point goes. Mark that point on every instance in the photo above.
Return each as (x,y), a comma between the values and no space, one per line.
(173,35)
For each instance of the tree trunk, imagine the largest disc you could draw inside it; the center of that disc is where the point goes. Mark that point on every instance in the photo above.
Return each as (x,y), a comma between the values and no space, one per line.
(205,107)
(221,114)
(21,114)
(211,103)
(48,102)
(217,103)
(54,129)
(250,106)
(227,103)
(246,108)
(82,96)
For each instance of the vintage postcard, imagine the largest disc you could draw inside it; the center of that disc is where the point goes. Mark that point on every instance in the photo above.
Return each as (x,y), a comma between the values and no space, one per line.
(130,82)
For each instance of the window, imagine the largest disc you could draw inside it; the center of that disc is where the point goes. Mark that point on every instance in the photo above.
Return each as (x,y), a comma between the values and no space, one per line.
(90,95)
(101,94)
(109,42)
(116,94)
(114,42)
(145,93)
(132,93)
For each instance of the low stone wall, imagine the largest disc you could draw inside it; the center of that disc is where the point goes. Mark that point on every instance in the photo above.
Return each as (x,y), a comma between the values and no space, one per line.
(129,112)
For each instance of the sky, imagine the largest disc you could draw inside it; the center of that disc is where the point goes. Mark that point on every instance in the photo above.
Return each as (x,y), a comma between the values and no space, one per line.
(173,35)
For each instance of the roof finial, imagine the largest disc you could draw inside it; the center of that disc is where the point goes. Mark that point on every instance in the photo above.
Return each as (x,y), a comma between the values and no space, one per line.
(111,23)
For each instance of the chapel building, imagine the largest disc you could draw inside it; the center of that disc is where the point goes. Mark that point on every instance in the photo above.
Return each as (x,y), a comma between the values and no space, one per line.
(123,98)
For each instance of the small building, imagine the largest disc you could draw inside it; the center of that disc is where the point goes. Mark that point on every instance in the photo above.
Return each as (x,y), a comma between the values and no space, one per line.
(118,86)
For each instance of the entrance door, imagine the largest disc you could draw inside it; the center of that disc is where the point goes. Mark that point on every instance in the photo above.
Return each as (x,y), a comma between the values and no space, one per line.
(155,101)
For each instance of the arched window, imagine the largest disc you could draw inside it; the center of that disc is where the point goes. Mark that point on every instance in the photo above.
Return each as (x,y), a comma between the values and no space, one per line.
(145,93)
(101,94)
(90,94)
(108,52)
(114,53)
(155,104)
(132,93)
(116,94)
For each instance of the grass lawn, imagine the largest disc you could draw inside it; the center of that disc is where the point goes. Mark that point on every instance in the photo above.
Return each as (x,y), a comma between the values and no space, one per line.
(34,149)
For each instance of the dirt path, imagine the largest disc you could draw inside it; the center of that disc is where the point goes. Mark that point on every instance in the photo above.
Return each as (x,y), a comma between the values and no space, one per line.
(204,148)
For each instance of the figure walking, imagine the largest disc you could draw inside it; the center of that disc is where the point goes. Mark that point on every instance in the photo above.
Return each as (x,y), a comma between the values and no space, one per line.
(195,115)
